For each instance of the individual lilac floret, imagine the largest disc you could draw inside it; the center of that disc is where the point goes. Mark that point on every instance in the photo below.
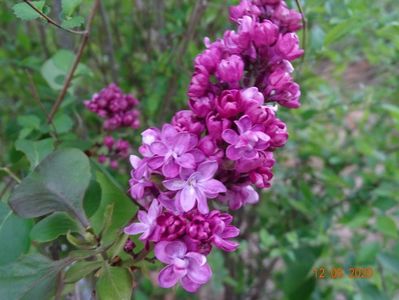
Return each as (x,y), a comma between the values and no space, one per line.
(248,142)
(140,177)
(195,189)
(147,222)
(190,269)
(172,152)
(230,70)
(237,196)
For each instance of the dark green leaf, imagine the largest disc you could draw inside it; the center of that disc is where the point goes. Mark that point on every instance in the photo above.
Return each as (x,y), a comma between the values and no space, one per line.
(58,183)
(29,278)
(14,235)
(81,269)
(114,283)
(92,198)
(123,207)
(35,151)
(51,227)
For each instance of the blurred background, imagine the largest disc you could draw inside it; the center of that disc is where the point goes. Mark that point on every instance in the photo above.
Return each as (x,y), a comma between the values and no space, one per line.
(334,202)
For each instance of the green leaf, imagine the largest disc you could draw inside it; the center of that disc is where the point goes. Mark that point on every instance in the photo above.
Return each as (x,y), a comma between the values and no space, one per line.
(81,269)
(35,151)
(92,198)
(55,69)
(51,227)
(123,207)
(25,12)
(31,277)
(63,123)
(29,122)
(389,262)
(58,183)
(14,235)
(73,22)
(114,283)
(69,6)
(387,226)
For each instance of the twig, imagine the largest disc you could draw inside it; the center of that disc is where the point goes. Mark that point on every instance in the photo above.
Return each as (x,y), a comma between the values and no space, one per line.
(75,64)
(109,47)
(36,97)
(11,174)
(60,286)
(304,25)
(51,21)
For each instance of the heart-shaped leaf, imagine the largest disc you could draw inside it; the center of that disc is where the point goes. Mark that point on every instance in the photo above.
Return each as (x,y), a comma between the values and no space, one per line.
(31,277)
(58,183)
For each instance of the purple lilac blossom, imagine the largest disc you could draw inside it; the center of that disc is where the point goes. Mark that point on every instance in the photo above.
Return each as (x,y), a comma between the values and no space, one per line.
(221,148)
(118,109)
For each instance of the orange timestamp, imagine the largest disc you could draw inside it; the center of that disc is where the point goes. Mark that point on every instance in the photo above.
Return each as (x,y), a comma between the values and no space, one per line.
(339,272)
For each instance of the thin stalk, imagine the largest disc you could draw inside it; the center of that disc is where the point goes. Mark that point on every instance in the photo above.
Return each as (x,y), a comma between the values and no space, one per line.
(76,62)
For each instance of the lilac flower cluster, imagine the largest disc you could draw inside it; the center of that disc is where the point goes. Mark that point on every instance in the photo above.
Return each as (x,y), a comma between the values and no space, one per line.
(118,109)
(222,148)
(115,150)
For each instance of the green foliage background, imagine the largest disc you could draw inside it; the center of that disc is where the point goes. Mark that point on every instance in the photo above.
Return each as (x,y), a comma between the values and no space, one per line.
(334,202)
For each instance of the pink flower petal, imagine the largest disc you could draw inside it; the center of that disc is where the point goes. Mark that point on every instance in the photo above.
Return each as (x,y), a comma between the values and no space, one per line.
(174,184)
(134,161)
(244,124)
(252,195)
(169,134)
(154,211)
(199,273)
(187,198)
(199,258)
(159,148)
(230,232)
(230,136)
(166,252)
(225,245)
(156,162)
(135,228)
(189,285)
(212,187)
(170,169)
(168,277)
(186,160)
(143,217)
(233,153)
(207,169)
(202,201)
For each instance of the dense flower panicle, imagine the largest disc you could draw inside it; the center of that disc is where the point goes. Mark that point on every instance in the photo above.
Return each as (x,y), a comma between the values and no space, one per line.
(117,108)
(222,148)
